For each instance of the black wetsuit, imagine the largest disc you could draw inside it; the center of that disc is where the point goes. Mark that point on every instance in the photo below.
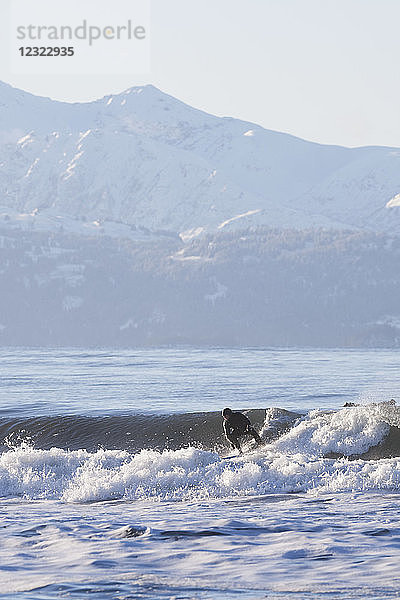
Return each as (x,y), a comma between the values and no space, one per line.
(236,425)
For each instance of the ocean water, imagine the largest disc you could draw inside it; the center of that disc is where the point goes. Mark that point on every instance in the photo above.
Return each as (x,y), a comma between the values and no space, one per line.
(113,483)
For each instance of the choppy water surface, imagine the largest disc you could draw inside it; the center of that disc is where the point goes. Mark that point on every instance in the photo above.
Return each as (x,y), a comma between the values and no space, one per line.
(112,484)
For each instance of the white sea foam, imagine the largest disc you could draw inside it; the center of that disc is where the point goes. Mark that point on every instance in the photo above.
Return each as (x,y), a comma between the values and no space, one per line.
(295,462)
(350,431)
(233,537)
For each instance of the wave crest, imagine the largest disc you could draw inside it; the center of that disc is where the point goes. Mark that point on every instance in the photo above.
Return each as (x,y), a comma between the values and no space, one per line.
(294,462)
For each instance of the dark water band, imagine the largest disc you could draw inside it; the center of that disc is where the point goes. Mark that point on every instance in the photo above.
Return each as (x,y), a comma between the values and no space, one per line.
(131,432)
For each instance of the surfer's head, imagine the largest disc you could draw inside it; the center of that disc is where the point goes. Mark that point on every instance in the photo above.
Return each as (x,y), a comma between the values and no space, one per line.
(226,413)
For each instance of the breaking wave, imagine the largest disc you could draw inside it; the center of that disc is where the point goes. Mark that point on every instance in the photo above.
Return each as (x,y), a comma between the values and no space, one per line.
(132,432)
(310,453)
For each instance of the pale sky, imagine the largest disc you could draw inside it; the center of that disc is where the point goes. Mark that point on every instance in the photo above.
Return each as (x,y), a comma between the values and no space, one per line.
(324,70)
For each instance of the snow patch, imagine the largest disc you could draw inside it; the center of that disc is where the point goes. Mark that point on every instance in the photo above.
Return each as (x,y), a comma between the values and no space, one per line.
(33,165)
(72,302)
(84,135)
(394,202)
(47,220)
(390,320)
(246,214)
(71,165)
(181,256)
(27,139)
(157,316)
(220,293)
(191,233)
(129,323)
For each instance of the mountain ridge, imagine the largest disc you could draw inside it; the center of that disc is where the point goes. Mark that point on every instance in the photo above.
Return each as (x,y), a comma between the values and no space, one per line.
(147,159)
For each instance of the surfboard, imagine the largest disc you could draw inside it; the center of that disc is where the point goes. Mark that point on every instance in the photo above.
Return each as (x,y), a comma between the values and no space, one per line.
(244,452)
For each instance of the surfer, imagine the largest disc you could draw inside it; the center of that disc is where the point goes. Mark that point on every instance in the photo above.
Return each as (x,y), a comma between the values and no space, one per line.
(235,425)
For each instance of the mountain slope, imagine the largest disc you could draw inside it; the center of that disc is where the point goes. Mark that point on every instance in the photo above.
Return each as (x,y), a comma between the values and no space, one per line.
(146,159)
(254,288)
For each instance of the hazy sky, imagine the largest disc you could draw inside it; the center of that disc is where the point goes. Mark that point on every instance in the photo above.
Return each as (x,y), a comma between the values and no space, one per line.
(325,70)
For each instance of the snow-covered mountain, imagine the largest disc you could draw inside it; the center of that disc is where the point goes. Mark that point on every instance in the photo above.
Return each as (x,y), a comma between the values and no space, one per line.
(145,159)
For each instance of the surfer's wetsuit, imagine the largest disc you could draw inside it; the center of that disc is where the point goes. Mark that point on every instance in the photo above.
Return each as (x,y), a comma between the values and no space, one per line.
(236,424)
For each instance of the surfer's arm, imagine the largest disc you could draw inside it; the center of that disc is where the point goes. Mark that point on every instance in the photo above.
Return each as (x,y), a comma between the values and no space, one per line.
(228,434)
(246,422)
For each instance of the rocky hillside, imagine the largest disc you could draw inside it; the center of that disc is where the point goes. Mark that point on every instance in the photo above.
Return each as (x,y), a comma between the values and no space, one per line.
(258,287)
